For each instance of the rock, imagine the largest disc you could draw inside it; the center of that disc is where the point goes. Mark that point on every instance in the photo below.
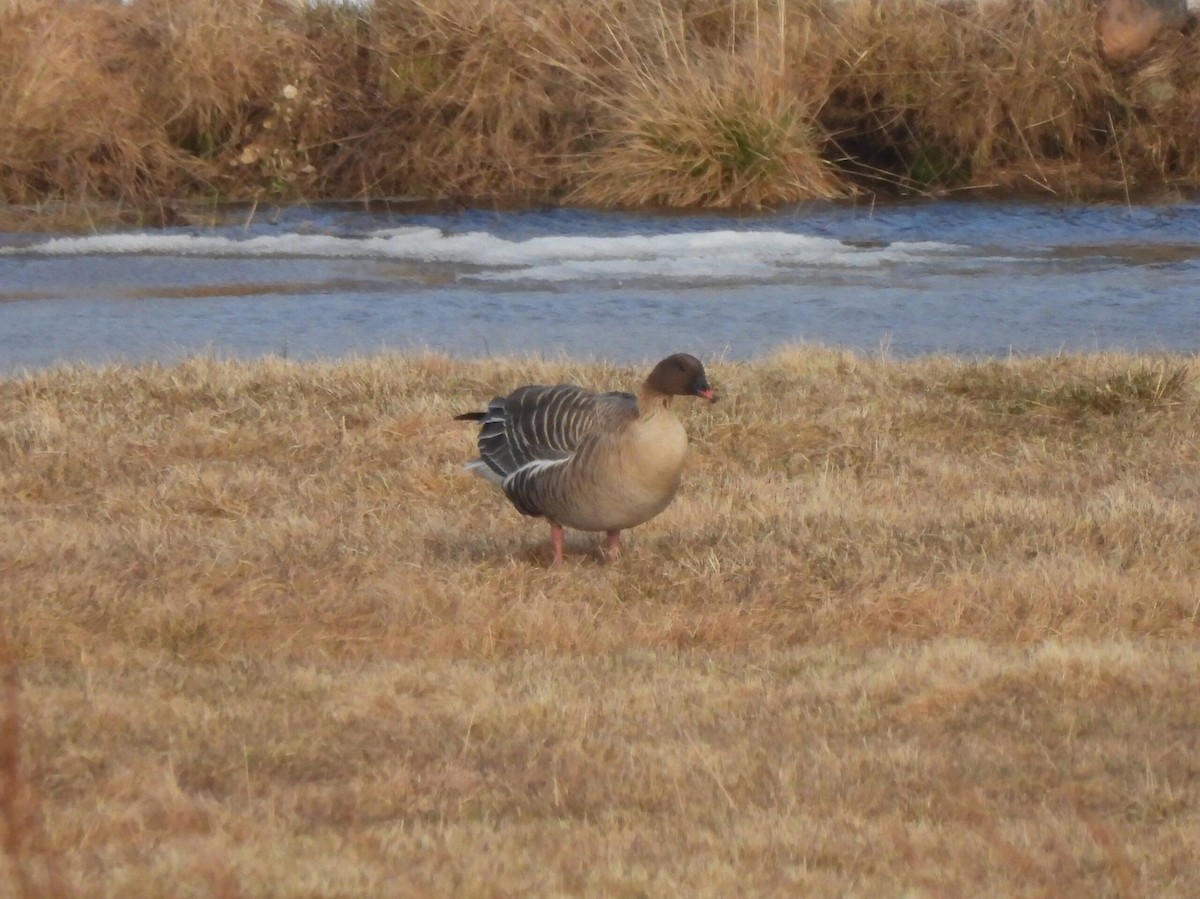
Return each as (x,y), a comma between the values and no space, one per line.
(1126,29)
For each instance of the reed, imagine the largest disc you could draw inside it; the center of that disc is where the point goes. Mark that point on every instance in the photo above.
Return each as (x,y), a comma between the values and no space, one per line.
(157,104)
(924,625)
(975,94)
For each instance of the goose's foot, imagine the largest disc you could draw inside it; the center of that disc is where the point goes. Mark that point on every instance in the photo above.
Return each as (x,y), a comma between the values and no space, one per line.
(612,545)
(556,539)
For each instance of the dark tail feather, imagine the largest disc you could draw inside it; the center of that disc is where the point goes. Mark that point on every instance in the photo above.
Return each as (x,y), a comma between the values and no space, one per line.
(470,416)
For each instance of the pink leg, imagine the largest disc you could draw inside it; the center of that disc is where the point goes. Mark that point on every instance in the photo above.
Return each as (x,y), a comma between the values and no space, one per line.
(556,538)
(612,545)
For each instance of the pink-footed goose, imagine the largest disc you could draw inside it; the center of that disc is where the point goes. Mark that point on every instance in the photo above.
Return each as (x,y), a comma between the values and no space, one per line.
(590,461)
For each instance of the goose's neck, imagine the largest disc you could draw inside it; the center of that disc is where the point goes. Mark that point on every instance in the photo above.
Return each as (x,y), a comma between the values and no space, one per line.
(651,401)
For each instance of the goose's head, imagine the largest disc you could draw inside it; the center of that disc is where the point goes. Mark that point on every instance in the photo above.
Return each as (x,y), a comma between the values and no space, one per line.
(680,375)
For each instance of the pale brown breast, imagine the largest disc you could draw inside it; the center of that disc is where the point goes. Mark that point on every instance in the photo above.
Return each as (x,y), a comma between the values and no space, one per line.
(626,482)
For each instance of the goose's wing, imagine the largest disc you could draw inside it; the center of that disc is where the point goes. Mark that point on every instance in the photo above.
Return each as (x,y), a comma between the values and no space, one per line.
(538,424)
(569,445)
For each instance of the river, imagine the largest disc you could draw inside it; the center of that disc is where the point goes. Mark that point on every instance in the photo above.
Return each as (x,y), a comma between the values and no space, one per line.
(971,278)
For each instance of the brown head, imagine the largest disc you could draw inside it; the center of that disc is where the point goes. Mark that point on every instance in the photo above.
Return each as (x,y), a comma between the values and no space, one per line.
(680,375)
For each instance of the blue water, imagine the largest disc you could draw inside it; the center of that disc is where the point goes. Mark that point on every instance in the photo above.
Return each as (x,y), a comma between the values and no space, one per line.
(969,278)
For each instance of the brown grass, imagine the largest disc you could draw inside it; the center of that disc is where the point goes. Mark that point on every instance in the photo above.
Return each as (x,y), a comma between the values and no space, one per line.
(923,628)
(702,103)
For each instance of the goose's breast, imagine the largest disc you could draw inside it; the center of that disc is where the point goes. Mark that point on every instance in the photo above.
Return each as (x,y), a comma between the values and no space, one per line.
(636,481)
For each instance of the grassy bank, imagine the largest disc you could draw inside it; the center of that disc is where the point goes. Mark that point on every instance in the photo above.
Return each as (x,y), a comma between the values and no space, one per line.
(911,628)
(689,103)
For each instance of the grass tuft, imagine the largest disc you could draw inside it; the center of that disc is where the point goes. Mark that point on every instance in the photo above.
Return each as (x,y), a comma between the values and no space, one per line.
(711,133)
(1142,387)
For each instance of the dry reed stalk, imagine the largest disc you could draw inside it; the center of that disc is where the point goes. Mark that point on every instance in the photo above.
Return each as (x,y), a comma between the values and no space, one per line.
(487,108)
(1163,94)
(234,85)
(70,124)
(962,94)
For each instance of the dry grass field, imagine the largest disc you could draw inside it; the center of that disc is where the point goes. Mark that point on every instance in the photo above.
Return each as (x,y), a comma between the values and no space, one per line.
(913,628)
(157,110)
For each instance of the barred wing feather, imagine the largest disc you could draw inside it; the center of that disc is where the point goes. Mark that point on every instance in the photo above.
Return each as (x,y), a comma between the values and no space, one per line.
(562,436)
(537,424)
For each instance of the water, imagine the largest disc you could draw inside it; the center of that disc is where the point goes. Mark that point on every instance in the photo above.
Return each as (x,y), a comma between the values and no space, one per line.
(971,278)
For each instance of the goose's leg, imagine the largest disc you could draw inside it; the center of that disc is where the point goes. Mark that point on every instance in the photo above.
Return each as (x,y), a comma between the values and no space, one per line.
(556,538)
(612,545)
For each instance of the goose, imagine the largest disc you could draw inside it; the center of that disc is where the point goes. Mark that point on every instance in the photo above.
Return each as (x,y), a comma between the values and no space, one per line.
(586,460)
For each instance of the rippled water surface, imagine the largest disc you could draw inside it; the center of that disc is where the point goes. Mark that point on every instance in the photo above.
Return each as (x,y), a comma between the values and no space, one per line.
(961,277)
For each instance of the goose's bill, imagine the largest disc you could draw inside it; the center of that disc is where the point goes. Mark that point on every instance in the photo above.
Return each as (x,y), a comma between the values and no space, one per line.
(708,394)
